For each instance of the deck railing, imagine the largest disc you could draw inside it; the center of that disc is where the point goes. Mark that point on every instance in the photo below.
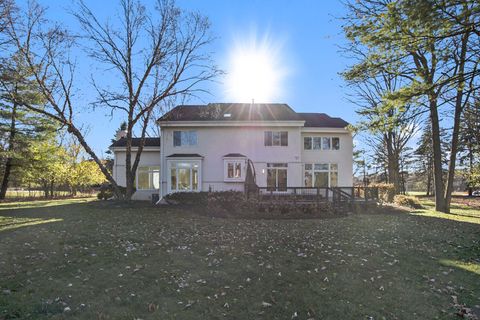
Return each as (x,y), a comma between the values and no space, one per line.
(336,195)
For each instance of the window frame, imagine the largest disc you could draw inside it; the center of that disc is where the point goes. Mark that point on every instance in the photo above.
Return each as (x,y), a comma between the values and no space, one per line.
(332,169)
(277,167)
(150,173)
(234,162)
(280,137)
(173,164)
(319,142)
(190,134)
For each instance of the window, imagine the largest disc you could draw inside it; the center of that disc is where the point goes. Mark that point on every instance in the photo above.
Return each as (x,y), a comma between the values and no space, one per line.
(184,138)
(148,178)
(335,143)
(307,143)
(234,170)
(320,175)
(277,176)
(184,176)
(326,143)
(321,143)
(276,138)
(317,143)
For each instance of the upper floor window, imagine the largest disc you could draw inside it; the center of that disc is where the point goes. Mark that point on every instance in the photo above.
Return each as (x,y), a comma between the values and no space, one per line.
(184,138)
(276,138)
(321,143)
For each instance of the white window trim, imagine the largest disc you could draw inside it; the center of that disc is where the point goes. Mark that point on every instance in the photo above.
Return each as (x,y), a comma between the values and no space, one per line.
(321,144)
(275,146)
(312,172)
(169,175)
(242,162)
(148,171)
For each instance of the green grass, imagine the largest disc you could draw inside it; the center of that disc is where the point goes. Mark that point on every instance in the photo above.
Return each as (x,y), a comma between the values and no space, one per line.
(462,209)
(105,260)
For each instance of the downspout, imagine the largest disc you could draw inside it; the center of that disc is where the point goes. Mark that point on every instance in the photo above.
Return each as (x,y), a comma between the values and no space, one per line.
(162,168)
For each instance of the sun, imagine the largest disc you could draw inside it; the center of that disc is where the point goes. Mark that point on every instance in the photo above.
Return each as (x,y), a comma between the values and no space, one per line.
(255,71)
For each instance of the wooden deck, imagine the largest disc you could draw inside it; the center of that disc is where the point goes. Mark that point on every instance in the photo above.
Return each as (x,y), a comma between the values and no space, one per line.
(336,198)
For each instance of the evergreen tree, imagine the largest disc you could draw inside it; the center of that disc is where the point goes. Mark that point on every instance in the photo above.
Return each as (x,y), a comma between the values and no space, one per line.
(470,145)
(19,126)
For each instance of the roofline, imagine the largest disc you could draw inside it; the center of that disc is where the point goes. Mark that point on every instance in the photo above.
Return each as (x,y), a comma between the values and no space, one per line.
(325,129)
(149,148)
(234,123)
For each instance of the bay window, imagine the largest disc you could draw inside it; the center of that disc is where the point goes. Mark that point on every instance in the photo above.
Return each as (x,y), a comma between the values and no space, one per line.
(184,176)
(234,170)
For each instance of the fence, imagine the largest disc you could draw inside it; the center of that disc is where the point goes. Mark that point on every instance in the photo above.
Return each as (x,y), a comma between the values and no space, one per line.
(22,194)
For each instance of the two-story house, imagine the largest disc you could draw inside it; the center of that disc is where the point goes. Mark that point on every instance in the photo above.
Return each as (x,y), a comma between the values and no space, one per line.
(208,148)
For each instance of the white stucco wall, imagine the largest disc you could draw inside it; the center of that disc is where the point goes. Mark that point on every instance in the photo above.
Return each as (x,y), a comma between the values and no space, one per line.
(343,157)
(149,157)
(213,143)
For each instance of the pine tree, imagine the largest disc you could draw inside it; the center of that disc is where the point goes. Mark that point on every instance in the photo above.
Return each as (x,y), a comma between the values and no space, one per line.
(19,127)
(470,145)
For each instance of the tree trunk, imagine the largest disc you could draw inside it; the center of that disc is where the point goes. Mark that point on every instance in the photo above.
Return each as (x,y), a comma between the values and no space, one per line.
(73,130)
(11,148)
(51,189)
(456,120)
(440,204)
(429,179)
(128,163)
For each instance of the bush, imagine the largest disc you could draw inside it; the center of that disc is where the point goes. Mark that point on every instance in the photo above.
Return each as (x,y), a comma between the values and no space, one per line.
(187,198)
(106,191)
(386,191)
(407,201)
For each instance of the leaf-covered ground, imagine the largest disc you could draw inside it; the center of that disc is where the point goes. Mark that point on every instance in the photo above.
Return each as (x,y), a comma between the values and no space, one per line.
(84,259)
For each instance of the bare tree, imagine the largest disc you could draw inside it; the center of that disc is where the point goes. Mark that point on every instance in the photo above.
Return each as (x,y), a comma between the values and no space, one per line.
(389,127)
(45,47)
(157,55)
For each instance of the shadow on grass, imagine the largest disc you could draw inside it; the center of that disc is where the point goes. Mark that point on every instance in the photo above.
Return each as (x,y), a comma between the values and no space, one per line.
(10,223)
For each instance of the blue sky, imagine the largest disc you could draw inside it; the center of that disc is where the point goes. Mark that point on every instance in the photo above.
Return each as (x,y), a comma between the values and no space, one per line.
(306,34)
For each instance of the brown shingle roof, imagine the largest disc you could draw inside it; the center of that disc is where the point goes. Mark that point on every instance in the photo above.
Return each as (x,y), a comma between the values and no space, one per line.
(322,120)
(250,112)
(149,142)
(232,112)
(185,155)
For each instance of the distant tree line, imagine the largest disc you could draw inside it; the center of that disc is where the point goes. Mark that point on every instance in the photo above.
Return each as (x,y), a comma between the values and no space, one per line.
(416,68)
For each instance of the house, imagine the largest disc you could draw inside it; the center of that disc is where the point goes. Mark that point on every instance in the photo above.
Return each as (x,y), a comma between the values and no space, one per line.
(210,148)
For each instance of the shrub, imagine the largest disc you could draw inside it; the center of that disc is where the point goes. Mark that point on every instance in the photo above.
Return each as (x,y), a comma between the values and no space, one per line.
(407,201)
(386,191)
(106,191)
(187,198)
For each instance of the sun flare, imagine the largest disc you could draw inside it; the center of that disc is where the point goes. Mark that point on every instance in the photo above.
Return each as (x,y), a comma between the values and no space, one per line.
(255,71)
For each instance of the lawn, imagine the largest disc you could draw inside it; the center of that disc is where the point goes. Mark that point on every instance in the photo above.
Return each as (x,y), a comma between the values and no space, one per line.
(85,259)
